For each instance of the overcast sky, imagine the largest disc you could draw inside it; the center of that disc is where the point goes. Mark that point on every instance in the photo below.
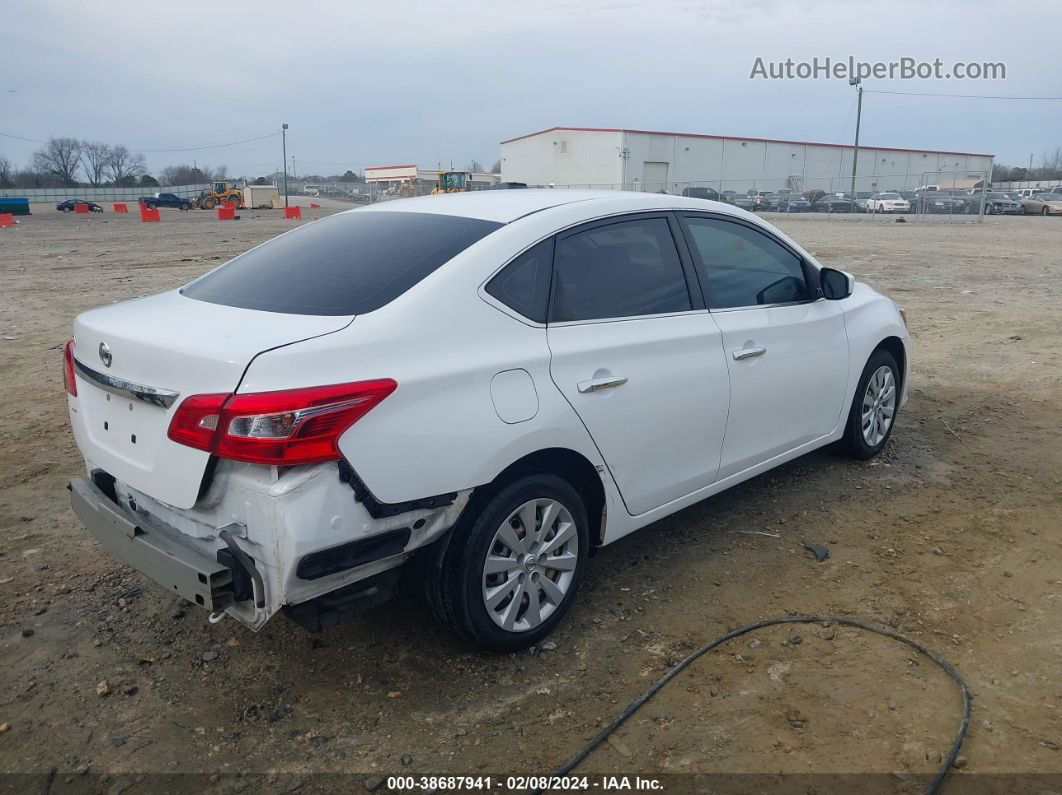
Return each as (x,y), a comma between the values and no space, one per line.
(391,82)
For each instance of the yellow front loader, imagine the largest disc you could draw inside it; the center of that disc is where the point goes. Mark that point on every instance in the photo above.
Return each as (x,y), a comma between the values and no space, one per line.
(452,182)
(220,193)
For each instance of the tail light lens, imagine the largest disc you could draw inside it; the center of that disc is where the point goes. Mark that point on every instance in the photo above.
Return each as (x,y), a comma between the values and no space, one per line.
(68,368)
(196,421)
(286,428)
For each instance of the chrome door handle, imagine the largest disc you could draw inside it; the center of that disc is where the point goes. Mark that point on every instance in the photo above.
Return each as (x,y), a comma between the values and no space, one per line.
(597,384)
(749,353)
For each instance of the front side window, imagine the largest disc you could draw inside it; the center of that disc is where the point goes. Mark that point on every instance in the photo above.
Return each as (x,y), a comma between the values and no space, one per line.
(625,269)
(347,264)
(740,266)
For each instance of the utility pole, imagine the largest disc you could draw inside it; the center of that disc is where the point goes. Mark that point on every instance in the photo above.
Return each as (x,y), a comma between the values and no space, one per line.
(284,145)
(858,83)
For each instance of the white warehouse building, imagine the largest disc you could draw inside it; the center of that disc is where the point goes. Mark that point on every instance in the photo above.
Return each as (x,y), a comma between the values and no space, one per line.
(669,161)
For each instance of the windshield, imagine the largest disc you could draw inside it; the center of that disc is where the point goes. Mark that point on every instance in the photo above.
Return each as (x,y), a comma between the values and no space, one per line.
(346,264)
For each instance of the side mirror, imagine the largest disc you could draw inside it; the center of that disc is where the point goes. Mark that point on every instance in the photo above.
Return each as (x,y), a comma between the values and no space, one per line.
(835,284)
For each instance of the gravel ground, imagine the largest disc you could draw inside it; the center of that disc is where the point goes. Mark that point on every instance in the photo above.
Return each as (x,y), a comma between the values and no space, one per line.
(951,536)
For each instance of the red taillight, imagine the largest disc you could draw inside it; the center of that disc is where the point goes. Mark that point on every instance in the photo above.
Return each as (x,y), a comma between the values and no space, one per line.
(295,426)
(68,368)
(196,420)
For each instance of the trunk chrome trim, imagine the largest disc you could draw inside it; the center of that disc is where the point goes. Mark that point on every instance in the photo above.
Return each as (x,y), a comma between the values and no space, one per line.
(149,394)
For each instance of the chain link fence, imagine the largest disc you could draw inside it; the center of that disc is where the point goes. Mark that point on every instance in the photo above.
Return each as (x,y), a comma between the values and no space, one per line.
(101,194)
(959,197)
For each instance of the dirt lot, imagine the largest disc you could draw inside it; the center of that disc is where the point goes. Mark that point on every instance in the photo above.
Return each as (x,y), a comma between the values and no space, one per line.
(952,536)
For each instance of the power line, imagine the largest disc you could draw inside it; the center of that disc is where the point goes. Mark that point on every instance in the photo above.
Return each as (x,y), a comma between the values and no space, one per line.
(20,138)
(214,146)
(160,151)
(962,96)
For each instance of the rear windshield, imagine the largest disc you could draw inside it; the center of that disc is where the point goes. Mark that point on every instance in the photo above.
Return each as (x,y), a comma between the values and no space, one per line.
(346,264)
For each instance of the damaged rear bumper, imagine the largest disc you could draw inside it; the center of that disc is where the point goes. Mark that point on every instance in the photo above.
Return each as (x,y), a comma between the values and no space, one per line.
(149,547)
(260,540)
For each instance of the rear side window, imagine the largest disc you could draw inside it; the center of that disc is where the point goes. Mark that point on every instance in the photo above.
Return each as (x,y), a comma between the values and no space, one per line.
(626,269)
(523,284)
(346,264)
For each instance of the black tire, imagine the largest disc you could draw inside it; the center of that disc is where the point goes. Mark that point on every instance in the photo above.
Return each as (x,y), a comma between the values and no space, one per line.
(853,442)
(186,206)
(66,209)
(151,206)
(1045,212)
(455,584)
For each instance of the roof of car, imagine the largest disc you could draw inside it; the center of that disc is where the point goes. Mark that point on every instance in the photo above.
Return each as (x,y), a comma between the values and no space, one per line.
(505,206)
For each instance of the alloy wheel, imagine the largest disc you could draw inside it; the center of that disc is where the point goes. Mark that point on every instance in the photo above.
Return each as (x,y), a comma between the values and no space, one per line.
(530,566)
(879,406)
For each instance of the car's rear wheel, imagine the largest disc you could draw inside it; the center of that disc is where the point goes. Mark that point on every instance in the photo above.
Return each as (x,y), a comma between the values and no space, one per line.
(874,406)
(1045,211)
(514,564)
(151,206)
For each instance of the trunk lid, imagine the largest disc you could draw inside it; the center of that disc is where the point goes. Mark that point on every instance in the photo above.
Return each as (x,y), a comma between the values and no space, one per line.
(169,344)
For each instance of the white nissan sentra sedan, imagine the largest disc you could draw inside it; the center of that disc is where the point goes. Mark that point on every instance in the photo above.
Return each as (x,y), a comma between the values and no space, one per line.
(484,386)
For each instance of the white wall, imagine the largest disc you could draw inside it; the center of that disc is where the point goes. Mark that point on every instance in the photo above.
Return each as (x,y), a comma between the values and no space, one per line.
(564,157)
(567,157)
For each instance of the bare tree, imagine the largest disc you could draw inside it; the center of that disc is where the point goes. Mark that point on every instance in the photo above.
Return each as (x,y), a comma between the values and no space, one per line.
(34,178)
(6,173)
(60,157)
(496,168)
(185,174)
(475,166)
(125,166)
(96,159)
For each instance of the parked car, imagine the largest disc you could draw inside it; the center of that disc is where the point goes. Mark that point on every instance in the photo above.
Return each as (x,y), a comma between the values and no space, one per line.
(887,203)
(861,199)
(695,192)
(996,203)
(509,186)
(68,206)
(768,201)
(426,382)
(793,203)
(832,204)
(744,201)
(165,200)
(728,196)
(937,202)
(1042,204)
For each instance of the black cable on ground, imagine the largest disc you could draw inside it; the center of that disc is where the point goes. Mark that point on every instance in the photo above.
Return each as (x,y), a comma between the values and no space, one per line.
(659,684)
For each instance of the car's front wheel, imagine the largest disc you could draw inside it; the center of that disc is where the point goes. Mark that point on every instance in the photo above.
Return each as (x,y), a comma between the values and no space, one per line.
(513,567)
(874,406)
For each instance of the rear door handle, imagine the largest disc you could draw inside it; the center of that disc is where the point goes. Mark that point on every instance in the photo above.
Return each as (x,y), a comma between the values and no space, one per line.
(597,384)
(749,353)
